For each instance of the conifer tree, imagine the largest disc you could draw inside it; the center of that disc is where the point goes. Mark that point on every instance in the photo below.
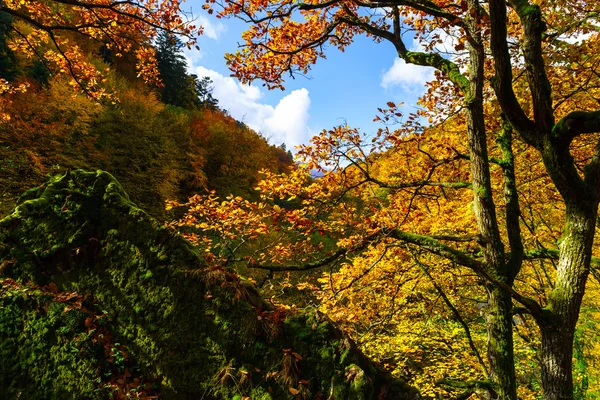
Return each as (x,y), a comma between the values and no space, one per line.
(8,63)
(179,88)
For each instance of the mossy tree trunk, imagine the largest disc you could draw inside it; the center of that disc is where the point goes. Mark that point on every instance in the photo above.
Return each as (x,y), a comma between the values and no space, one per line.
(500,344)
(559,322)
(552,139)
(499,318)
(495,265)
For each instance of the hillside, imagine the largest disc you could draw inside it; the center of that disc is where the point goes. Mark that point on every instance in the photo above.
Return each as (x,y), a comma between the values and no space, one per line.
(163,139)
(157,151)
(99,299)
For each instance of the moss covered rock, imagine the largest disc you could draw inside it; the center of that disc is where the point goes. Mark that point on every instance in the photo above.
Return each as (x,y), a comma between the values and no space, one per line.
(100,299)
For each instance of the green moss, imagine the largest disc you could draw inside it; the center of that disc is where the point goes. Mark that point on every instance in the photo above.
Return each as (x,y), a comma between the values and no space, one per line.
(482,192)
(360,387)
(193,330)
(46,351)
(440,63)
(526,10)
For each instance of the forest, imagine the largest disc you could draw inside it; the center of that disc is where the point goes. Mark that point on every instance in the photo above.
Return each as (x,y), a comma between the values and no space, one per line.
(153,246)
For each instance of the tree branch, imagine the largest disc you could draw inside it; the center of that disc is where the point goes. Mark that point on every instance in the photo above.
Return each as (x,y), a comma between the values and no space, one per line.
(502,82)
(539,85)
(576,123)
(511,199)
(471,386)
(436,247)
(449,238)
(413,57)
(459,257)
(551,254)
(339,253)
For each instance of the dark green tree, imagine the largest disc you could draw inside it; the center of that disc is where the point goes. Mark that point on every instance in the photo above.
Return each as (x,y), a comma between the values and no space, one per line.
(8,63)
(204,89)
(179,87)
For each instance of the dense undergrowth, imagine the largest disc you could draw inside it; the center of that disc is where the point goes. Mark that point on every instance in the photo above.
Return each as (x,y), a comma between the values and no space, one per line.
(99,297)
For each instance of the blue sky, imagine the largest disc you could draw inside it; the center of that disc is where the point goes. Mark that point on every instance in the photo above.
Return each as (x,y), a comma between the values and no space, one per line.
(345,87)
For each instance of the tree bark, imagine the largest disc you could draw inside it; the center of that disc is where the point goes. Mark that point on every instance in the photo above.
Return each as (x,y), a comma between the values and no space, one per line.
(558,320)
(558,326)
(500,344)
(499,318)
(557,377)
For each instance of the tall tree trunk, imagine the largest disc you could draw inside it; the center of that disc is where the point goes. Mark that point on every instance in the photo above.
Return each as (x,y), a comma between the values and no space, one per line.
(557,377)
(558,326)
(499,318)
(499,323)
(500,344)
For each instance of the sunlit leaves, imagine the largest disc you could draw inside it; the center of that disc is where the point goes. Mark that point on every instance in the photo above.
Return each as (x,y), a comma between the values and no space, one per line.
(50,31)
(235,229)
(380,294)
(417,178)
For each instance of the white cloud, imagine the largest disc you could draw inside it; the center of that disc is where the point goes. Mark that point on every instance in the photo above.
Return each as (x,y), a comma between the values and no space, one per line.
(290,117)
(251,92)
(212,29)
(409,76)
(284,123)
(192,56)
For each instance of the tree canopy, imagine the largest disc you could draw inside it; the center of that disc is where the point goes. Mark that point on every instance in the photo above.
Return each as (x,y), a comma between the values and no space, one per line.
(482,219)
(49,30)
(520,92)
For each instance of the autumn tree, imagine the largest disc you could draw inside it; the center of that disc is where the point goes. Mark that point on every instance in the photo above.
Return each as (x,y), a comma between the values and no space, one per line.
(234,154)
(514,74)
(49,31)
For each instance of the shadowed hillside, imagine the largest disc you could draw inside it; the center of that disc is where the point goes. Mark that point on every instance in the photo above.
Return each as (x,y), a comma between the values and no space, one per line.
(98,299)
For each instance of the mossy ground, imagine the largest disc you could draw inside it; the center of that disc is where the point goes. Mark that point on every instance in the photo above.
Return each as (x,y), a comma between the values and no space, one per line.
(192,331)
(55,345)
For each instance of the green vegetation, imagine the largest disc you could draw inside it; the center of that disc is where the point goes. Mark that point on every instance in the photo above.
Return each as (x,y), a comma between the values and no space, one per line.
(178,87)
(180,328)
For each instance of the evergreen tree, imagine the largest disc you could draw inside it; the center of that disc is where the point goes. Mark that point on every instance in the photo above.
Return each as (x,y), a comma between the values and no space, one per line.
(8,62)
(173,72)
(180,88)
(204,90)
